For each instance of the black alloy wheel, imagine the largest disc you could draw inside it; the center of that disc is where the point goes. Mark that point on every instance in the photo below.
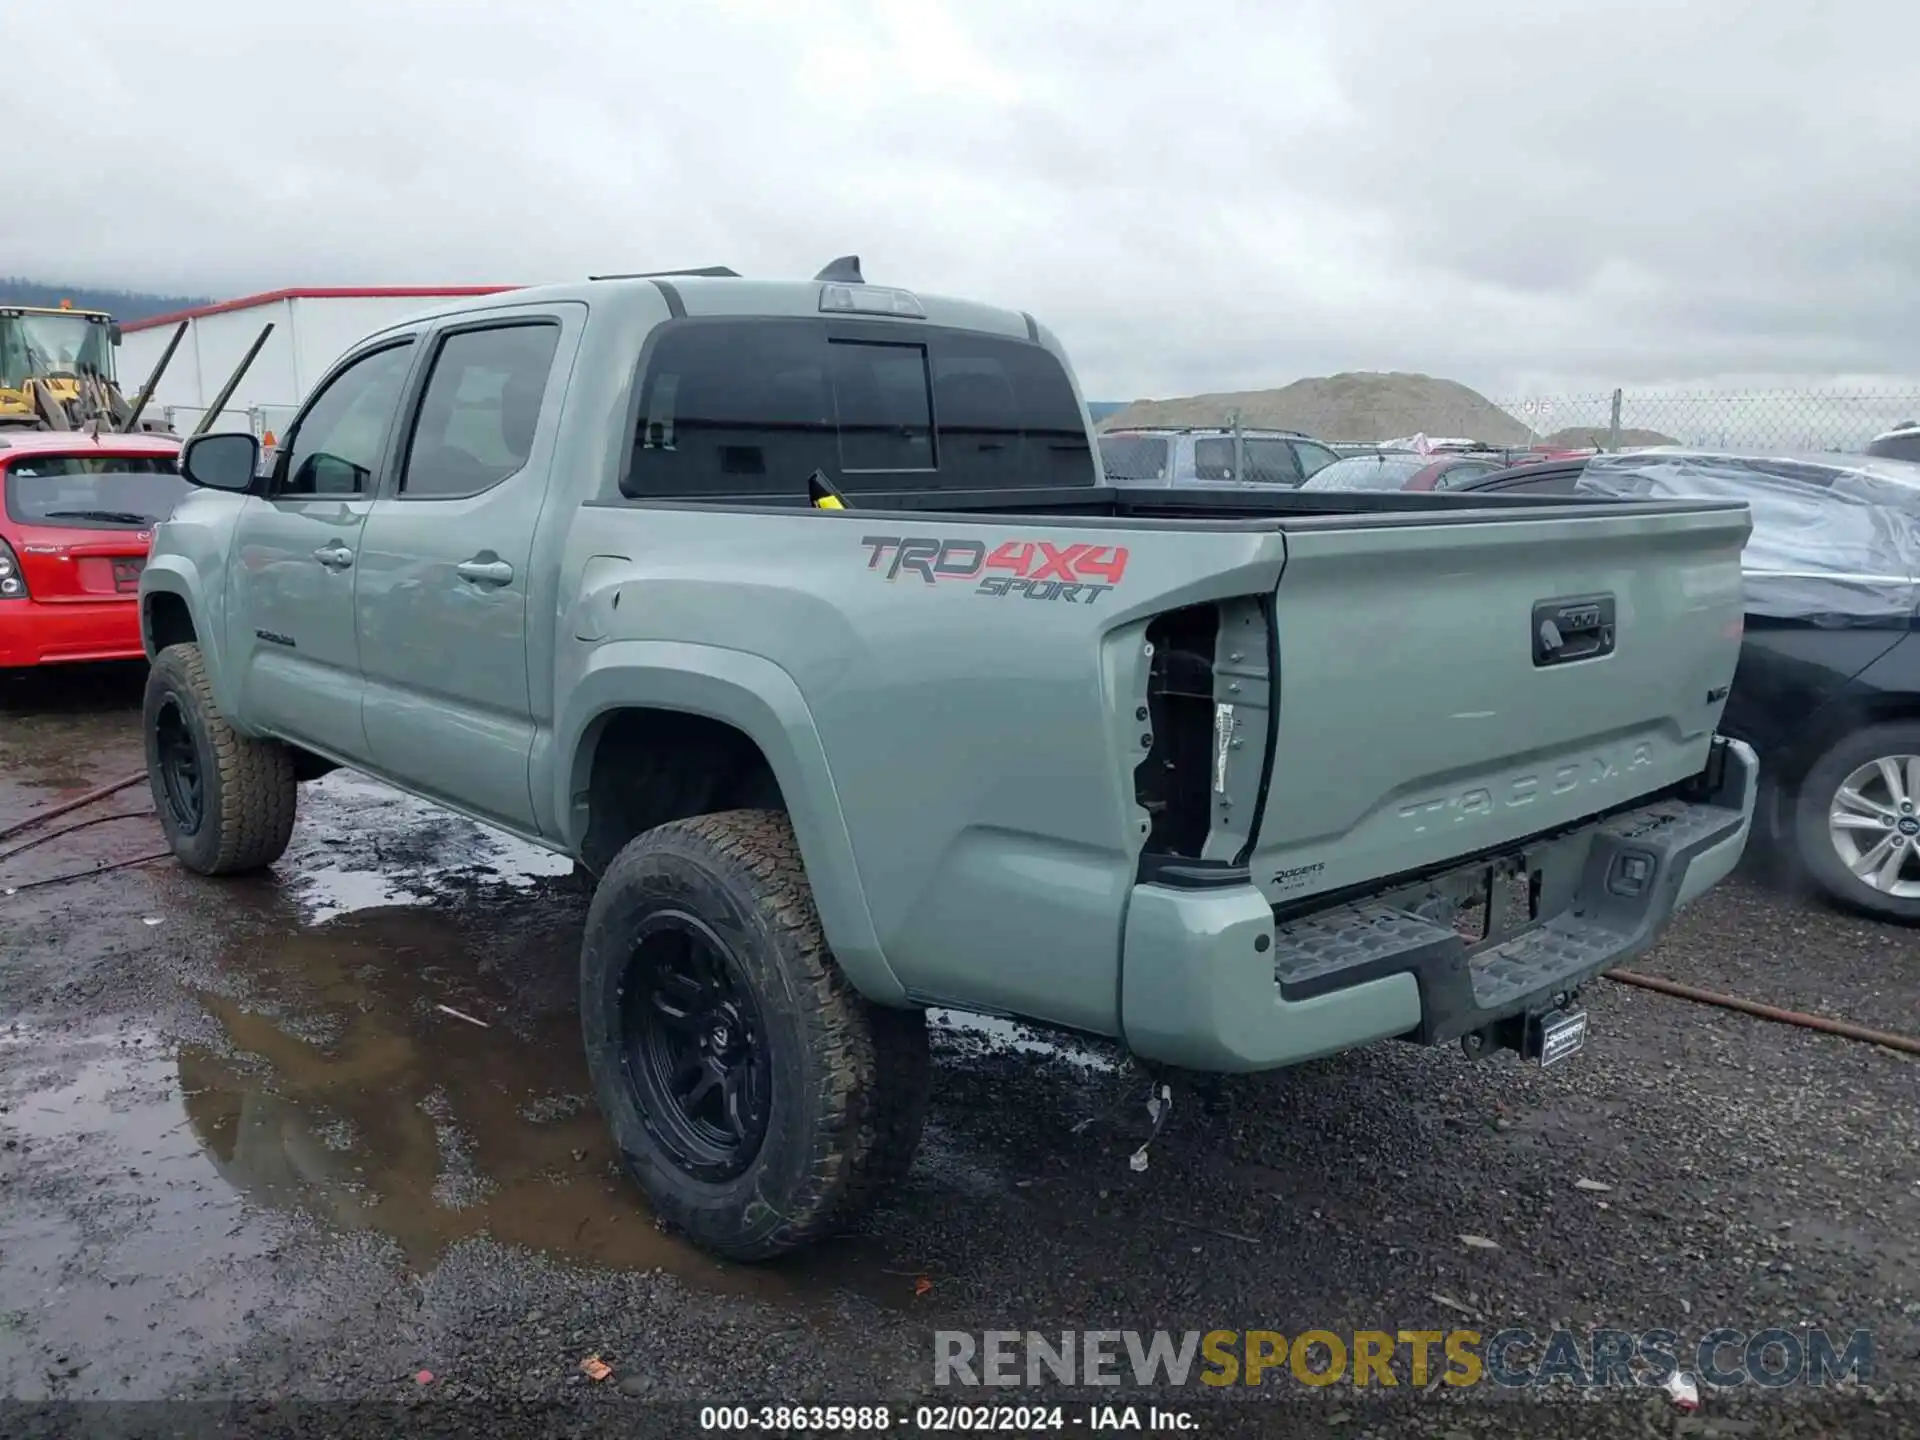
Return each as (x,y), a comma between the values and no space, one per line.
(694,1048)
(179,766)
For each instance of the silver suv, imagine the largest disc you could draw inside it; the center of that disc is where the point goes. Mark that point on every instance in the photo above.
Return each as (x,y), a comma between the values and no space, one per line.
(1213,457)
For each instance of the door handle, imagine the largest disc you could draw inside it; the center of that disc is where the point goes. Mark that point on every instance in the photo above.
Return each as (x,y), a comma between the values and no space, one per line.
(334,557)
(485,572)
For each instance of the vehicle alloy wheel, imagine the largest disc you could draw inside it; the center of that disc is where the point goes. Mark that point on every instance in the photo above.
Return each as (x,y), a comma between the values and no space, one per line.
(693,1046)
(1874,827)
(179,768)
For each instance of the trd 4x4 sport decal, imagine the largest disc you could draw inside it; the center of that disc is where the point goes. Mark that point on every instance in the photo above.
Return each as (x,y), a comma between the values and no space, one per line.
(1077,574)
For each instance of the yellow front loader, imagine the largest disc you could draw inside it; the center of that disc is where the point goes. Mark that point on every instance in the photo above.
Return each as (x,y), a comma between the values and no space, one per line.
(57,371)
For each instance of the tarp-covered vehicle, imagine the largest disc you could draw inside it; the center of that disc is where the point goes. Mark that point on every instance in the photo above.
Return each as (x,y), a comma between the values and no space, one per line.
(1828,688)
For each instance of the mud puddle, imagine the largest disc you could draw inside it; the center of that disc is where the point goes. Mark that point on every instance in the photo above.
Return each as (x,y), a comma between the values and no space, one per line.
(127,1256)
(382,1041)
(393,1049)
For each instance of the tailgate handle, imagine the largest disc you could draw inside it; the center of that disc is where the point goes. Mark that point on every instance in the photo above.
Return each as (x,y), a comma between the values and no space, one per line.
(1572,628)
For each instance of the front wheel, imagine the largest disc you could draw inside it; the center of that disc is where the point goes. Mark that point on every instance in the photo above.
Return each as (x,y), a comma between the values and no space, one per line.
(226,801)
(756,1098)
(1856,821)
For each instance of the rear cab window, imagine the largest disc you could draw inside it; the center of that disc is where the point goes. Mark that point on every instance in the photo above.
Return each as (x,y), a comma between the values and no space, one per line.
(104,492)
(747,410)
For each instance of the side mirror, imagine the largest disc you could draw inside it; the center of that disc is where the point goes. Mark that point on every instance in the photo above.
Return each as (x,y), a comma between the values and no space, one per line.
(113,332)
(228,460)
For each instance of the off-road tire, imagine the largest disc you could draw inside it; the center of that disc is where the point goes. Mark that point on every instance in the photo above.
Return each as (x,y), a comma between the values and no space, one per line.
(849,1079)
(1811,849)
(248,791)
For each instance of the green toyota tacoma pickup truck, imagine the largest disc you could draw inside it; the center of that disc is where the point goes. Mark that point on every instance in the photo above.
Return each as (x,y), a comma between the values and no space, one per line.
(801,615)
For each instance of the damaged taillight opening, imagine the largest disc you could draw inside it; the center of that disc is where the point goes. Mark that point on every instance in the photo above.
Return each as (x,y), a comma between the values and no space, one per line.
(1174,783)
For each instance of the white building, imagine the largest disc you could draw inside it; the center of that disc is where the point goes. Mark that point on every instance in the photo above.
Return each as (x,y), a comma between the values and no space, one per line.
(311,329)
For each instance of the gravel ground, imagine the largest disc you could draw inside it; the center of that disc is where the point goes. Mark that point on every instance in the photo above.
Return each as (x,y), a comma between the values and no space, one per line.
(248,1158)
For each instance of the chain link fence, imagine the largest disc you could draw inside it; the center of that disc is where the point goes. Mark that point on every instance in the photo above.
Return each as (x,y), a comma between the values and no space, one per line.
(1785,420)
(1371,409)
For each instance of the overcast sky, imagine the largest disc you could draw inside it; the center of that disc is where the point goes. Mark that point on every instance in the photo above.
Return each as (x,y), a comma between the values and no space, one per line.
(1196,194)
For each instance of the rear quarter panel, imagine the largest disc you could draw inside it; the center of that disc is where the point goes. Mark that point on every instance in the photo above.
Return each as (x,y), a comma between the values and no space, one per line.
(975,750)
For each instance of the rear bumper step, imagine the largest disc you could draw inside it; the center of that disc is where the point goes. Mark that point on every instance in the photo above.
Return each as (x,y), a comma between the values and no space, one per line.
(1629,888)
(1375,969)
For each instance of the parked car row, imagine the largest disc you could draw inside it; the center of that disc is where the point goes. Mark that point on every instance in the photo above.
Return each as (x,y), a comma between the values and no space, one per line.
(1215,456)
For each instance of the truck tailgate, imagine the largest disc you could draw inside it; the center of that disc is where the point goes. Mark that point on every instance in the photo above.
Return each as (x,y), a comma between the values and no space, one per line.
(1425,711)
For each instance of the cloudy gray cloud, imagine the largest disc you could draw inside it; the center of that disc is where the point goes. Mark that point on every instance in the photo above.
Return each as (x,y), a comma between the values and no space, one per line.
(1198,196)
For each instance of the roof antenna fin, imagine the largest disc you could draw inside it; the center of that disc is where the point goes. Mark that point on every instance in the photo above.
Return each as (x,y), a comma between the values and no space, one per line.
(844,271)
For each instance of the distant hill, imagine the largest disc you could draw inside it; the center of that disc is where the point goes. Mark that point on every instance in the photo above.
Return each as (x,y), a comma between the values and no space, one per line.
(1357,407)
(123,305)
(1101,409)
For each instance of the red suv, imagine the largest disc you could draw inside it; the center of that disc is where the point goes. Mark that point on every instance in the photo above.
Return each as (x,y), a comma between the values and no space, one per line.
(76,517)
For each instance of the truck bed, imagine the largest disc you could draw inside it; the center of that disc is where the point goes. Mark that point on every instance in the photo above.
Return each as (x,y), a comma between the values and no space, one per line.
(1220,509)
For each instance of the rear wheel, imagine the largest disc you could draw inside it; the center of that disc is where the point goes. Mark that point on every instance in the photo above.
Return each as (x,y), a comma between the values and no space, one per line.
(1856,821)
(756,1098)
(226,801)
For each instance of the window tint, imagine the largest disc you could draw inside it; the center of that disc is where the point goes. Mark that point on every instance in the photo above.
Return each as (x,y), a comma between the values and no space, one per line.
(751,408)
(1007,416)
(480,409)
(1271,462)
(883,406)
(1133,457)
(1312,458)
(336,447)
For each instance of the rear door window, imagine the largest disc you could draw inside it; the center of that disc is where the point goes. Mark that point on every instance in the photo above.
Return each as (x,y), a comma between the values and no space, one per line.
(748,409)
(480,410)
(1213,460)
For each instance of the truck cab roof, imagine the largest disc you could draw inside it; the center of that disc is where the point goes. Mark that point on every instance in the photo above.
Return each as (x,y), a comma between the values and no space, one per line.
(706,294)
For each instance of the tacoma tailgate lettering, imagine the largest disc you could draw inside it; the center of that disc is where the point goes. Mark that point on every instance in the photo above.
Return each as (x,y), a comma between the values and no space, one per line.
(1602,769)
